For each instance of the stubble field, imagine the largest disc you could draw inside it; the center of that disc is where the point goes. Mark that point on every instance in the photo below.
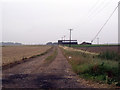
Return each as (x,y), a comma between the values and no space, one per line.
(11,54)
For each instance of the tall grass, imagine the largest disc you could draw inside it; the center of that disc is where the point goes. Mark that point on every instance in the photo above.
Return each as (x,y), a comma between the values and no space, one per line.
(109,55)
(93,67)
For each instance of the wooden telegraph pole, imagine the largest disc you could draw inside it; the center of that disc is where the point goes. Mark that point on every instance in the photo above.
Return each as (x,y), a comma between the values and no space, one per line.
(98,41)
(119,41)
(70,37)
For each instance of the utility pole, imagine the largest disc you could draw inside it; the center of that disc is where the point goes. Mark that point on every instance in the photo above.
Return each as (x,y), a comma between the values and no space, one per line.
(62,38)
(119,26)
(98,41)
(119,41)
(70,37)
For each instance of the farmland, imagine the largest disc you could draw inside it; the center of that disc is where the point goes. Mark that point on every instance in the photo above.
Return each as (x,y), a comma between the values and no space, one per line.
(61,67)
(98,48)
(12,54)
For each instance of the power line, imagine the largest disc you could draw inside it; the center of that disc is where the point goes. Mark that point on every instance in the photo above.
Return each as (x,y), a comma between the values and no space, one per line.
(93,7)
(97,8)
(104,24)
(101,9)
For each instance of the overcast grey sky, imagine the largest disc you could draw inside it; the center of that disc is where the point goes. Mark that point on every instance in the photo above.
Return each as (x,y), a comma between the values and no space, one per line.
(41,21)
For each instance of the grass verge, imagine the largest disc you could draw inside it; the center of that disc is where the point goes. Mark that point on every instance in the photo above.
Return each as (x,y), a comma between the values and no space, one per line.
(50,58)
(92,67)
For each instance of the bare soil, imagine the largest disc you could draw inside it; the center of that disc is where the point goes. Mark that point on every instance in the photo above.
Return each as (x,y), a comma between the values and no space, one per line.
(99,49)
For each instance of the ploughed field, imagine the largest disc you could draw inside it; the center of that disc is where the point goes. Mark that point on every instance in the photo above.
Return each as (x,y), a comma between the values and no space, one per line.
(11,54)
(98,49)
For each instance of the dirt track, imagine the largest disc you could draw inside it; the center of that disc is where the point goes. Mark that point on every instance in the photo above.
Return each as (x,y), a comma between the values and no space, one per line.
(35,74)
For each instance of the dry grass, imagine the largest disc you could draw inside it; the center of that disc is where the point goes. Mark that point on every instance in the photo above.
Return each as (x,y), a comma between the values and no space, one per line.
(12,54)
(82,51)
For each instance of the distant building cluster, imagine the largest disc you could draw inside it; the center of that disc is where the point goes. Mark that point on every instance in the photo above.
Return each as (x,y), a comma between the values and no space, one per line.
(72,42)
(67,42)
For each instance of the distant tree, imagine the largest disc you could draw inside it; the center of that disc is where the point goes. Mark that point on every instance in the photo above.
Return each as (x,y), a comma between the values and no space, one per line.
(49,43)
(9,44)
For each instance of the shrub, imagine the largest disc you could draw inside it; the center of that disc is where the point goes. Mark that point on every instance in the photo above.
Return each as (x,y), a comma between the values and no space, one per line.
(99,72)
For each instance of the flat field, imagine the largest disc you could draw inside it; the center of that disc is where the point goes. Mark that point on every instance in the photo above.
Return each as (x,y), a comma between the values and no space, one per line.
(12,54)
(98,48)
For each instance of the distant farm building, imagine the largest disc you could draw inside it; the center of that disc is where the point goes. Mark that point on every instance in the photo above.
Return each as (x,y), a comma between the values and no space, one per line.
(67,42)
(50,43)
(86,43)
